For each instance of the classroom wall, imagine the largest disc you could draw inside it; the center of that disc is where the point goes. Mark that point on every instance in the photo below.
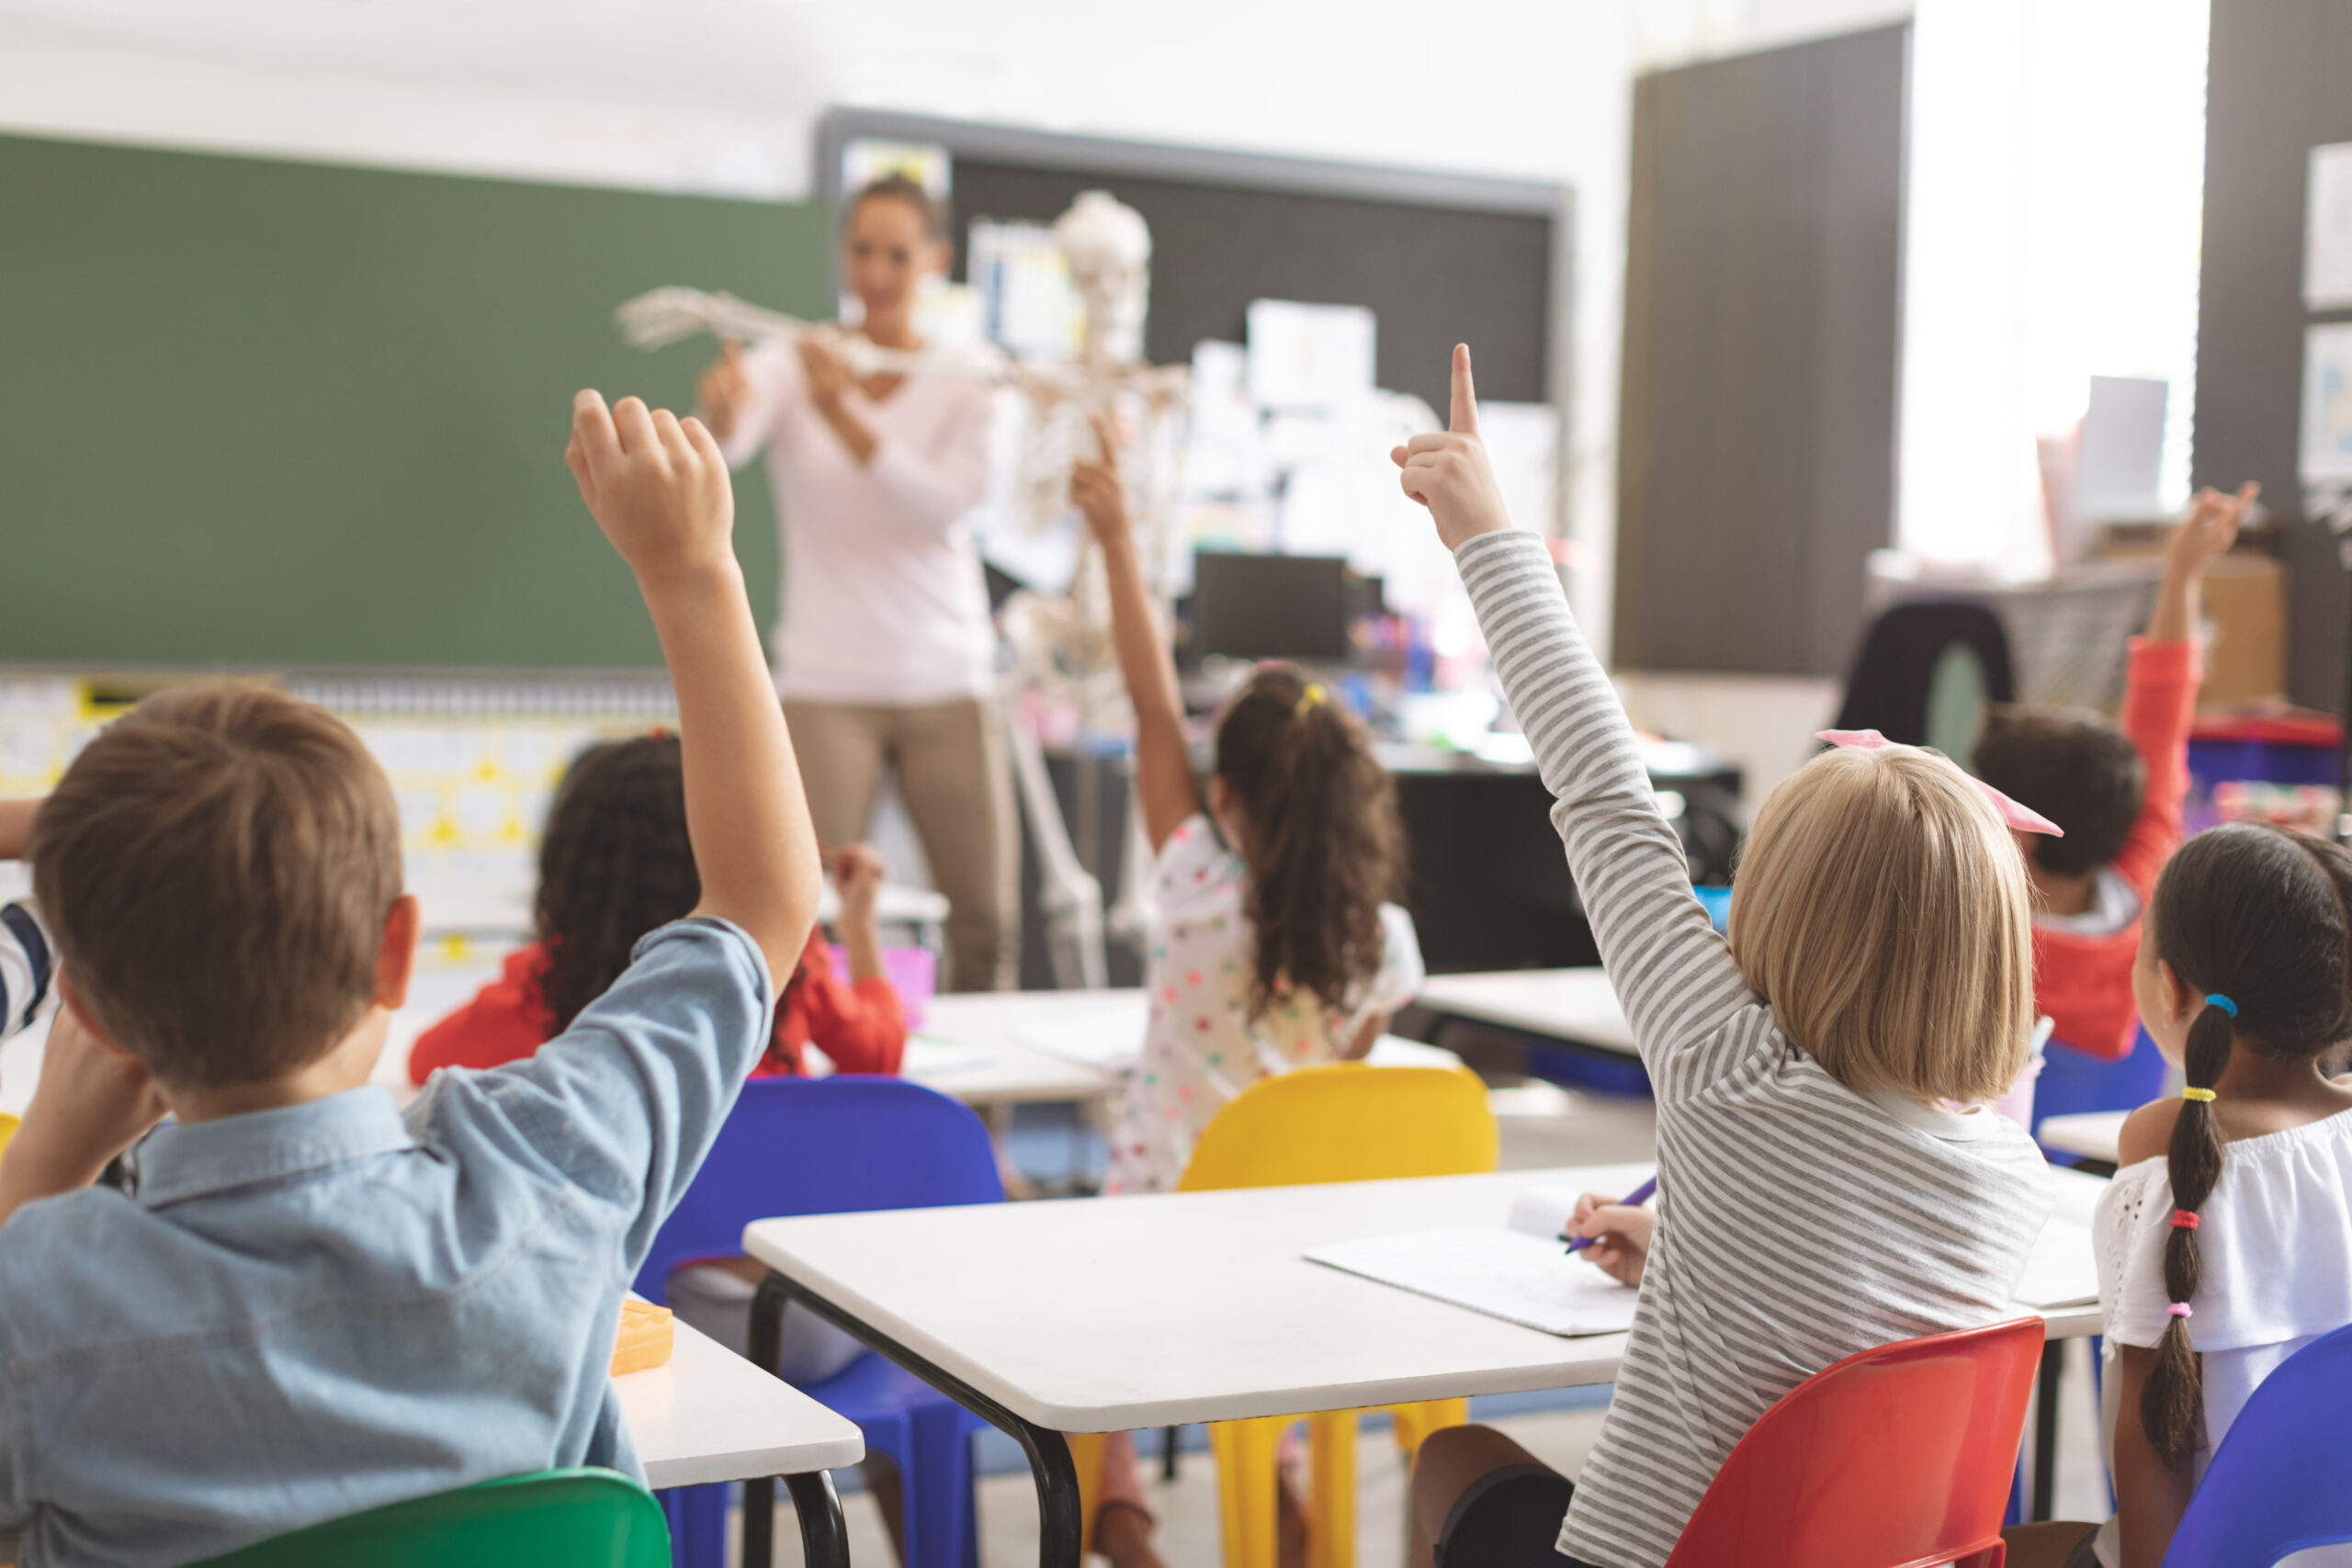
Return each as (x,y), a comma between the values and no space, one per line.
(718,97)
(2276,90)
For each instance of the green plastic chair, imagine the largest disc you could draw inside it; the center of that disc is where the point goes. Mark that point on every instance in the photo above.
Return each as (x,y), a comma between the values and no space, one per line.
(581,1518)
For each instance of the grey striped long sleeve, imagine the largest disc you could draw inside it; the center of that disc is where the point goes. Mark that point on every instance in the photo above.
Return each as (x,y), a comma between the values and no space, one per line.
(27,966)
(1798,1221)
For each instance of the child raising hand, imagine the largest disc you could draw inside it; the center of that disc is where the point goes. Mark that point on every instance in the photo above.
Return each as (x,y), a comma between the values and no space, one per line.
(1816,1196)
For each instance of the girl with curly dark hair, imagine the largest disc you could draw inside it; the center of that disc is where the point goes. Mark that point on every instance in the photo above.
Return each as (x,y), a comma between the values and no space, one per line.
(614,865)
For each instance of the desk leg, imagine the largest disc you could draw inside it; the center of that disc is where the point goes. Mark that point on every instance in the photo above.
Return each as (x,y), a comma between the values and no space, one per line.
(766,1348)
(824,1538)
(1061,1515)
(2045,1427)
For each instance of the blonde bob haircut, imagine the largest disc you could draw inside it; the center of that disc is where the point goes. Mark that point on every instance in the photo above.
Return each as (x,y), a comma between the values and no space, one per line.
(1882,909)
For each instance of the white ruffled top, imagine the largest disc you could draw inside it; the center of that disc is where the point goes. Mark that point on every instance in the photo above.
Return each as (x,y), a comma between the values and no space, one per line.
(2275,1243)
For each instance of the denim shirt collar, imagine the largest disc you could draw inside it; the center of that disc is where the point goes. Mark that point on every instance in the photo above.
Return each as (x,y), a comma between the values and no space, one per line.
(175,1163)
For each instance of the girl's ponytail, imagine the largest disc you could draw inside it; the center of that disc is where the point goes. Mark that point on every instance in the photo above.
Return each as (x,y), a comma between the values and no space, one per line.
(2261,920)
(1326,848)
(2172,1401)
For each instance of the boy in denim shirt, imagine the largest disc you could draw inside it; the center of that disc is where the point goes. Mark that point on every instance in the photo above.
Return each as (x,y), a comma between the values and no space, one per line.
(310,1304)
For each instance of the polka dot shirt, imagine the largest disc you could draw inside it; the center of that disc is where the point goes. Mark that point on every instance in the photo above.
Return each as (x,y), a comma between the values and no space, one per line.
(1200,1048)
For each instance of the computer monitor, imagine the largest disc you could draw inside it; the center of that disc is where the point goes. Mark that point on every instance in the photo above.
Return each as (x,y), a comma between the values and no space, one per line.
(1266,606)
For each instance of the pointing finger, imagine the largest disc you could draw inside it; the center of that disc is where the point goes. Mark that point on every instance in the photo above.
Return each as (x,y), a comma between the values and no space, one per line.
(1106,440)
(1464,420)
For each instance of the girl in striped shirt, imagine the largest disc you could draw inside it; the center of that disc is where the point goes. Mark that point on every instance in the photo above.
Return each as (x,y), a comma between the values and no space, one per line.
(1818,1196)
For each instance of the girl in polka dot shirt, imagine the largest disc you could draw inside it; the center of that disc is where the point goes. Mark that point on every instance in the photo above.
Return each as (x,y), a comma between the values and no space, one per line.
(1274,944)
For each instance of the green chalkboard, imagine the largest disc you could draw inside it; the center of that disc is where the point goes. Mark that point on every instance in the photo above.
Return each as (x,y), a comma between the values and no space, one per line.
(262,414)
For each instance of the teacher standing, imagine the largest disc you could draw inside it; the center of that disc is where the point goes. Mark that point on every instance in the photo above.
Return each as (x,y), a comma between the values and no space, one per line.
(885,653)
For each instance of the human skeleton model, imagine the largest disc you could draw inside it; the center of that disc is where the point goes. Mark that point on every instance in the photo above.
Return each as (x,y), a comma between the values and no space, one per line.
(1061,643)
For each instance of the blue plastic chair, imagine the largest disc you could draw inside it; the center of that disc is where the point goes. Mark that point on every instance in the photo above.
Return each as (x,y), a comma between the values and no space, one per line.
(2276,1486)
(843,1145)
(2073,1082)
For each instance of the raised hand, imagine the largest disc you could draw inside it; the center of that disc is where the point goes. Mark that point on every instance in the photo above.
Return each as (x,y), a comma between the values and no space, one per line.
(858,874)
(2196,544)
(724,389)
(656,485)
(1097,488)
(1448,472)
(2211,528)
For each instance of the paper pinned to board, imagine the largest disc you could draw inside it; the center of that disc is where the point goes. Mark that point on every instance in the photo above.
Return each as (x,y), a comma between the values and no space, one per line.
(2327,228)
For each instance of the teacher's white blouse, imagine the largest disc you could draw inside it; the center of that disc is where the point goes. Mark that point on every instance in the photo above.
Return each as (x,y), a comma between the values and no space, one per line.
(884,601)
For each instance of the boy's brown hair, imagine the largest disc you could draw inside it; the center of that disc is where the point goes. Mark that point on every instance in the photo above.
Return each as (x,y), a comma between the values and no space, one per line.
(2075,769)
(216,868)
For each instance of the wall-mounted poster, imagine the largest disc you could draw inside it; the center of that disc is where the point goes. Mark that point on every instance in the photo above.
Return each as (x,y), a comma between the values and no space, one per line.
(2327,229)
(2326,449)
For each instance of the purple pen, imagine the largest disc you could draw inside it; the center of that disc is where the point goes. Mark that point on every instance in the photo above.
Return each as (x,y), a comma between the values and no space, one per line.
(1633,1199)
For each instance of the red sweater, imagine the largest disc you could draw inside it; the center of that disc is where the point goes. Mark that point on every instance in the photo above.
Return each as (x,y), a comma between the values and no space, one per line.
(2083,983)
(860,1027)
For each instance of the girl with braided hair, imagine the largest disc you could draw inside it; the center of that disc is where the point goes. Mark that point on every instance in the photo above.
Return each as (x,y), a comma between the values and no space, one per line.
(2225,1241)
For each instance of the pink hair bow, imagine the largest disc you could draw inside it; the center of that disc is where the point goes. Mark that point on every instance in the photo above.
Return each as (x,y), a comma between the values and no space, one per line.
(2025,820)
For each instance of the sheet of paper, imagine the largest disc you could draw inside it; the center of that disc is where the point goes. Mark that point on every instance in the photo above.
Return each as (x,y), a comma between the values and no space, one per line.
(1519,1277)
(1108,1036)
(1543,1212)
(929,1058)
(2061,1270)
(2327,228)
(2327,447)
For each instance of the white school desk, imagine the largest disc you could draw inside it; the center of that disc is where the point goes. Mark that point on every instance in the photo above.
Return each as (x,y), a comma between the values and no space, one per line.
(1102,1030)
(2094,1134)
(708,1416)
(1576,1007)
(1113,1315)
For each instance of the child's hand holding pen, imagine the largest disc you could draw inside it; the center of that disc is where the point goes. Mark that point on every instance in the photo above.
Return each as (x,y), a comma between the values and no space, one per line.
(1614,1234)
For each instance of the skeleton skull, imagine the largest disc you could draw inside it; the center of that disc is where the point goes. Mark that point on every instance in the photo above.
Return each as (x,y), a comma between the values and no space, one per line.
(1108,248)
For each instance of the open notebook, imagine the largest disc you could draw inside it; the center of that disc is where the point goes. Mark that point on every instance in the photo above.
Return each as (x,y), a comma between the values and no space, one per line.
(1523,1275)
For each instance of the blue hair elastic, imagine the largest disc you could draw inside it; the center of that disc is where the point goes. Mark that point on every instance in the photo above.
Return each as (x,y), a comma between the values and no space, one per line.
(2219,1000)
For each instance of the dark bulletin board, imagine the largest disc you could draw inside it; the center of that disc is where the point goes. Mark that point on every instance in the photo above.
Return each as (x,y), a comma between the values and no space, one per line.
(1439,259)
(1763,354)
(2275,89)
(256,412)
(1434,277)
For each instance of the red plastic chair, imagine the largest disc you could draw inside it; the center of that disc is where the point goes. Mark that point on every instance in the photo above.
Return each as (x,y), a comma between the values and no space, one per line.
(1899,1457)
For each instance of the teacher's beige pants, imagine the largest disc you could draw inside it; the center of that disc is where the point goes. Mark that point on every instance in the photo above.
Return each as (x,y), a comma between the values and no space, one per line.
(958,782)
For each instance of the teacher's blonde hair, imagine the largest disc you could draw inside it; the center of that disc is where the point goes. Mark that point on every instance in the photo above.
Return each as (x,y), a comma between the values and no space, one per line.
(1882,909)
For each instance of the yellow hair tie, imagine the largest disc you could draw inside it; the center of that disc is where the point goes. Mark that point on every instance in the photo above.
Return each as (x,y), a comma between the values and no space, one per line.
(1315,697)
(2203,1096)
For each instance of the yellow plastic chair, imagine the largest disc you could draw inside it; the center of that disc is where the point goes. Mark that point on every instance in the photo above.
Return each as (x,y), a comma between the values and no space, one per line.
(1341,1122)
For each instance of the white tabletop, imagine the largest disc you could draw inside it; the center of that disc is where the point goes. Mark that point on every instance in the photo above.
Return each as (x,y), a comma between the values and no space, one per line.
(2094,1134)
(707,1414)
(1109,1315)
(1102,1030)
(1577,1005)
